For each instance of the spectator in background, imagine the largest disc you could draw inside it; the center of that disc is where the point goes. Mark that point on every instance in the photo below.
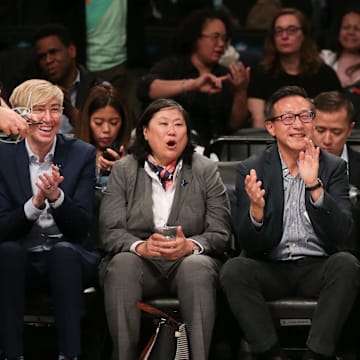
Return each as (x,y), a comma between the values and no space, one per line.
(56,57)
(104,123)
(290,58)
(345,60)
(214,95)
(106,39)
(333,125)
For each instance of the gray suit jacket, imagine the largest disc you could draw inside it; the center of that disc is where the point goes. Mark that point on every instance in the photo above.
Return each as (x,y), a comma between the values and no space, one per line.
(200,206)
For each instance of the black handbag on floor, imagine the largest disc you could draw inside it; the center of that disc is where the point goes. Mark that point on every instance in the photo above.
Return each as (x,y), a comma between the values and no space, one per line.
(169,341)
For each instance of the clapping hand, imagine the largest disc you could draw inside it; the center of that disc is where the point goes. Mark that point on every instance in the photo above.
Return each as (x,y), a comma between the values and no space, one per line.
(48,187)
(309,163)
(256,195)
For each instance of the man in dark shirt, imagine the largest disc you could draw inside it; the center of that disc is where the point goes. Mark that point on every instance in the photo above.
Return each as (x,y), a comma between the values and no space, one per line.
(333,124)
(56,56)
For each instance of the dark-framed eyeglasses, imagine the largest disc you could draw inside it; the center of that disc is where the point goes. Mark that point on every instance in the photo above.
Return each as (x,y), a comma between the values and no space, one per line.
(289,118)
(216,37)
(290,30)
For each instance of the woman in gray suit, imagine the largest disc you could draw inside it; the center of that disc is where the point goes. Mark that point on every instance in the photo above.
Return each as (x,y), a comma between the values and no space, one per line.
(163,182)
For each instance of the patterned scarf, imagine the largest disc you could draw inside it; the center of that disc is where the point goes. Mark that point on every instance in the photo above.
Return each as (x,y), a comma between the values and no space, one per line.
(165,174)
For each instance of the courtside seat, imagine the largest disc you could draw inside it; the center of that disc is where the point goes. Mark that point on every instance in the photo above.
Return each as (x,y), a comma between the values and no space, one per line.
(293,311)
(240,145)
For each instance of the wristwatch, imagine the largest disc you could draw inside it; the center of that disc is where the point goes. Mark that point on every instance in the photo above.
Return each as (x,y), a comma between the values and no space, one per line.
(196,250)
(314,187)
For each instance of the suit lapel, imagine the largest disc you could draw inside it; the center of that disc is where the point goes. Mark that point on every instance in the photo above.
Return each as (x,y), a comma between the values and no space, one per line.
(145,188)
(183,186)
(22,169)
(354,167)
(60,154)
(274,185)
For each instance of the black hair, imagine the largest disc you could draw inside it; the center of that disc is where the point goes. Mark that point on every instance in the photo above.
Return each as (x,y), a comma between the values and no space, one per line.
(332,101)
(140,148)
(284,92)
(54,29)
(185,36)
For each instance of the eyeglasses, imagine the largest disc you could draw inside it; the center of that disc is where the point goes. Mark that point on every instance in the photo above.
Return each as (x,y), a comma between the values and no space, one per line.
(39,111)
(216,37)
(350,27)
(288,119)
(290,30)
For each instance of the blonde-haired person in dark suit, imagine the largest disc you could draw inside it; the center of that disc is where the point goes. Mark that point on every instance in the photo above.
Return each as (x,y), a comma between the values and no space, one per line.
(47,197)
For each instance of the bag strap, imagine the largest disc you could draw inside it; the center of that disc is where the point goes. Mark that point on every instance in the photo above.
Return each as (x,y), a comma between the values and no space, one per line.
(156,312)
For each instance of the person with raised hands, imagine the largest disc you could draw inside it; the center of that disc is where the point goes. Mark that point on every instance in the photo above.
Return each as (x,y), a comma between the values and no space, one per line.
(293,221)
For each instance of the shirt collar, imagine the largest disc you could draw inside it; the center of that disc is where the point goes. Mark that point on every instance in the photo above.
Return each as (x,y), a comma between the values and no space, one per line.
(48,157)
(345,154)
(76,82)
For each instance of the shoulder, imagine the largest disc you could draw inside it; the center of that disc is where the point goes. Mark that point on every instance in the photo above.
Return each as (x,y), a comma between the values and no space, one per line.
(353,154)
(9,150)
(270,153)
(86,76)
(325,69)
(331,161)
(128,162)
(74,144)
(201,162)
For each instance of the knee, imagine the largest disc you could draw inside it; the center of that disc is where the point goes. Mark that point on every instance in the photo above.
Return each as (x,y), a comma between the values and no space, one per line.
(235,270)
(198,270)
(63,246)
(63,250)
(9,251)
(122,266)
(345,265)
(11,248)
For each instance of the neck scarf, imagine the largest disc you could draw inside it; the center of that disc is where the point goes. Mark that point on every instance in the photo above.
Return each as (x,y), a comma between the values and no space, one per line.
(165,174)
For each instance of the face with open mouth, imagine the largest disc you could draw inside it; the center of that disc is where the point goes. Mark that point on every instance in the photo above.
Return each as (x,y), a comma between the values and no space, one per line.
(290,138)
(49,114)
(166,135)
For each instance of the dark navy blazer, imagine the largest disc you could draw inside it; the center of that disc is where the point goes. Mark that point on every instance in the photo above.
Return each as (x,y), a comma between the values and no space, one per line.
(76,161)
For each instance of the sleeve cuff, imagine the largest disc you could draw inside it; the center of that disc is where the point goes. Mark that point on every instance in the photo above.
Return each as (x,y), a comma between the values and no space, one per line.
(134,245)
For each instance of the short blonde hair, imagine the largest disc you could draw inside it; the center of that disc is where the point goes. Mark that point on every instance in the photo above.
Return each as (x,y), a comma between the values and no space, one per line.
(35,92)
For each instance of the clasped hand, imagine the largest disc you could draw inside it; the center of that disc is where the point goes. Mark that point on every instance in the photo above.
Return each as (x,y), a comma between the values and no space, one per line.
(48,187)
(158,245)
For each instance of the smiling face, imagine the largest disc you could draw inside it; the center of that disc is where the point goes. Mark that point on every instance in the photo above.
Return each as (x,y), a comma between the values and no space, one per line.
(42,136)
(349,33)
(290,138)
(166,135)
(105,124)
(331,130)
(288,35)
(211,44)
